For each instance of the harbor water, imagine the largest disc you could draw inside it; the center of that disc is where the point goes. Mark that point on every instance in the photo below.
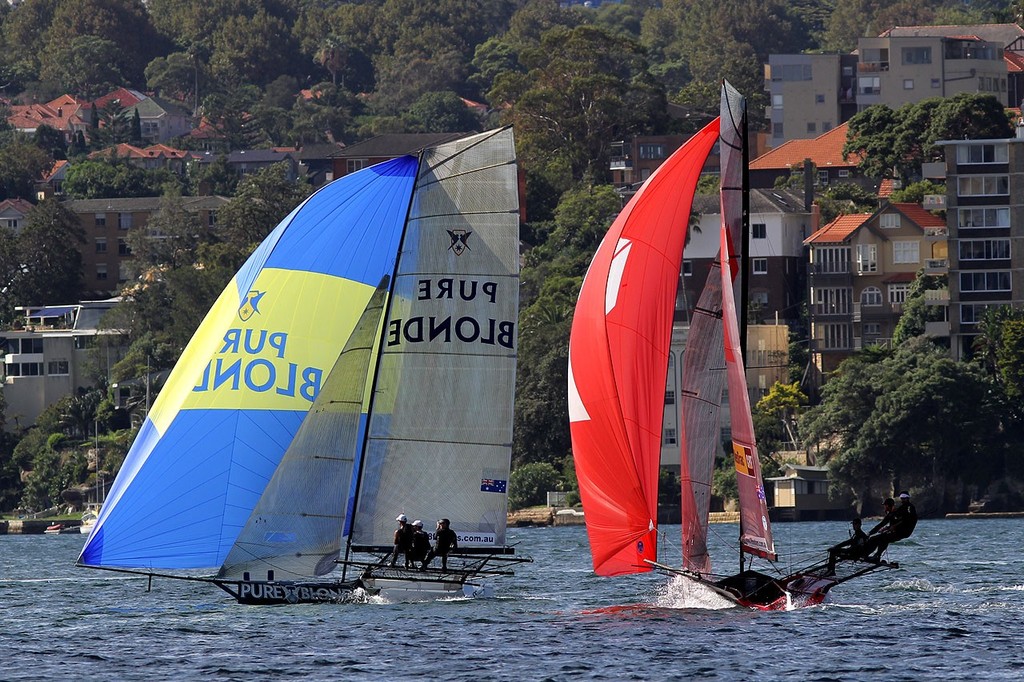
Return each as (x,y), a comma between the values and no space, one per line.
(953,610)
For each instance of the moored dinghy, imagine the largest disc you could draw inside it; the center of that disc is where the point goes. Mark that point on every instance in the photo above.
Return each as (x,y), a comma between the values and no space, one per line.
(362,363)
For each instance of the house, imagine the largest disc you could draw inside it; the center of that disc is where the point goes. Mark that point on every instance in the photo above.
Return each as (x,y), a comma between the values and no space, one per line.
(13,213)
(318,161)
(65,113)
(161,120)
(801,494)
(153,157)
(49,355)
(825,152)
(780,221)
(52,182)
(246,161)
(861,268)
(385,147)
(106,222)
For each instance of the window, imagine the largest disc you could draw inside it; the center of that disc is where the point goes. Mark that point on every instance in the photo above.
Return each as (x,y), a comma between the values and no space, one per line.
(984,249)
(984,217)
(354,165)
(908,83)
(777,130)
(843,172)
(34,345)
(101,244)
(122,248)
(832,301)
(776,101)
(812,127)
(211,218)
(57,367)
(836,336)
(872,329)
(25,369)
(972,313)
(831,259)
(917,55)
(670,396)
(981,153)
(792,72)
(819,98)
(823,177)
(898,292)
(759,298)
(871,296)
(101,219)
(826,126)
(867,258)
(652,151)
(985,281)
(982,185)
(670,436)
(759,266)
(123,271)
(936,83)
(869,85)
(687,268)
(889,221)
(12,223)
(906,252)
(124,221)
(758,231)
(101,271)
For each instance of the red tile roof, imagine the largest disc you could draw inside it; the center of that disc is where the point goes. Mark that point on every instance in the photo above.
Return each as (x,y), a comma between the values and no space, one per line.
(1014,61)
(920,216)
(839,229)
(885,188)
(19,205)
(826,151)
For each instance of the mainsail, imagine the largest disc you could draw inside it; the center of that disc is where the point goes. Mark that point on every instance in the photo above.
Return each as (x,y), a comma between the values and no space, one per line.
(618,361)
(704,376)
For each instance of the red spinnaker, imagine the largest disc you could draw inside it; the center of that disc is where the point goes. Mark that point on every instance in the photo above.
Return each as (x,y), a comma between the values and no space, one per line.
(618,361)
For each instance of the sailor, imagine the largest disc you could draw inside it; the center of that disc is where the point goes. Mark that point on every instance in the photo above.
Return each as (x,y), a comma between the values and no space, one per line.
(444,542)
(420,543)
(403,539)
(901,523)
(849,549)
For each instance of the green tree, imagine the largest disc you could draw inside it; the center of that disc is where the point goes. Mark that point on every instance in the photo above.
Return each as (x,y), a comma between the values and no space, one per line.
(87,66)
(21,165)
(775,417)
(916,311)
(529,484)
(441,112)
(49,248)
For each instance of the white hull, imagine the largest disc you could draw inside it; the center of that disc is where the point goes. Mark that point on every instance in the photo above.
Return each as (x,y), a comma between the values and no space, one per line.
(414,589)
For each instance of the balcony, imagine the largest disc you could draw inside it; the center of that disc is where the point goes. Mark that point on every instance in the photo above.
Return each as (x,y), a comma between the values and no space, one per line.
(872,67)
(936,297)
(620,163)
(936,329)
(936,266)
(935,234)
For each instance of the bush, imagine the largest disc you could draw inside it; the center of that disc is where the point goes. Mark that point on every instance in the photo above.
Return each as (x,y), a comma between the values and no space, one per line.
(528,485)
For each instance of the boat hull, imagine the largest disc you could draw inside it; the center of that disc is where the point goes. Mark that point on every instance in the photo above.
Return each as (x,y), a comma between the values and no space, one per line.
(264,593)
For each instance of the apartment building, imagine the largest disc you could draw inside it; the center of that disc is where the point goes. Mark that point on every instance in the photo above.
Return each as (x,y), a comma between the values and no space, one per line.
(107,222)
(985,217)
(902,65)
(861,268)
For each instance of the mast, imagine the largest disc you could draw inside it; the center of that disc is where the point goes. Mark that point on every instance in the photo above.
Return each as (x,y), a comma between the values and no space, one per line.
(357,469)
(744,231)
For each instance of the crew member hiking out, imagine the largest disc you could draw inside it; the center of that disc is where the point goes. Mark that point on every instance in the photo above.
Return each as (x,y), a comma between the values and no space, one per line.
(444,542)
(897,525)
(854,548)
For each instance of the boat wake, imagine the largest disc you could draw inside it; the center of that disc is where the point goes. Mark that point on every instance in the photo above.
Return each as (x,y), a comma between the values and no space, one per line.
(683,593)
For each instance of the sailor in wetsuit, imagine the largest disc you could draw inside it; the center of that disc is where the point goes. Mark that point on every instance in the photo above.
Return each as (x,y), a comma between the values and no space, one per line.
(850,549)
(897,525)
(444,542)
(420,543)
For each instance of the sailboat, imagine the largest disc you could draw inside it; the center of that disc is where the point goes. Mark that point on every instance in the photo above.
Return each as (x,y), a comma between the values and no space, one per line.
(360,365)
(618,363)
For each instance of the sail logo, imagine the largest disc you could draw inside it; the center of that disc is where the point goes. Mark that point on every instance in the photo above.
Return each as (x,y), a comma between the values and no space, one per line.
(493,485)
(250,304)
(488,331)
(239,363)
(744,459)
(459,237)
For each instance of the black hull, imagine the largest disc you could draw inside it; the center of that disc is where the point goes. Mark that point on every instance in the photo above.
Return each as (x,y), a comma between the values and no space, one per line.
(264,593)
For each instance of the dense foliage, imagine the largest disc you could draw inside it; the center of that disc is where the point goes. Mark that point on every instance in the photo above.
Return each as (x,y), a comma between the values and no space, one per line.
(263,73)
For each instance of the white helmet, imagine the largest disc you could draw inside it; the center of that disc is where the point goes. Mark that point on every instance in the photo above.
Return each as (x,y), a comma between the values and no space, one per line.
(417,523)
(402,518)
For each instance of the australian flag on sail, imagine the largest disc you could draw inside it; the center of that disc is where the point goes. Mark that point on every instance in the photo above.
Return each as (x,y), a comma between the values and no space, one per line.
(493,485)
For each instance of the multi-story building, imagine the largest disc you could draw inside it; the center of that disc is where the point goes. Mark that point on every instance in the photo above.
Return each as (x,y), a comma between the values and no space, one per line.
(985,215)
(824,153)
(105,253)
(861,268)
(780,220)
(902,65)
(49,356)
